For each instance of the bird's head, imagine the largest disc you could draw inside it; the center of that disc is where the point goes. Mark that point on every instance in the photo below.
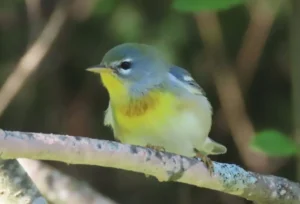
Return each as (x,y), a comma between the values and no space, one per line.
(132,68)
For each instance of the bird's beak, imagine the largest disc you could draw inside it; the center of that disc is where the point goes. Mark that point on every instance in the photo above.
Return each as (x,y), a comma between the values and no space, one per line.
(99,69)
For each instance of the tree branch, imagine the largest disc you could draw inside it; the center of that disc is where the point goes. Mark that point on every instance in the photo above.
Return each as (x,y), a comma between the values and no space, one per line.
(60,188)
(227,178)
(31,60)
(229,92)
(16,186)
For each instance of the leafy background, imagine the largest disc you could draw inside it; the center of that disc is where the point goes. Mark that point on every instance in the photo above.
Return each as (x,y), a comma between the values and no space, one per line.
(61,97)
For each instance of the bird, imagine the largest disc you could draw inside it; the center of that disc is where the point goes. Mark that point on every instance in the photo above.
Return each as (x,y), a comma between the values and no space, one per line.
(156,104)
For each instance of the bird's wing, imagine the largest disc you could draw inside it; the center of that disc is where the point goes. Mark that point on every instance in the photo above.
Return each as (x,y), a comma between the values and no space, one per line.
(194,99)
(188,89)
(185,79)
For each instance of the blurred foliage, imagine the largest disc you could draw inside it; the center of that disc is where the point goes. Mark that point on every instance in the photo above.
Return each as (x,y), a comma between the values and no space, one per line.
(62,97)
(274,143)
(103,7)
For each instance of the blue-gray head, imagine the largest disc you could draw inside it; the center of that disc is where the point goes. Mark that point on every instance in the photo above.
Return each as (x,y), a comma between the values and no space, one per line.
(137,66)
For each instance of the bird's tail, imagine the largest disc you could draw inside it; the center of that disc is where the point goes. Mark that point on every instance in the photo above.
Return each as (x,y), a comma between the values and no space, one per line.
(212,147)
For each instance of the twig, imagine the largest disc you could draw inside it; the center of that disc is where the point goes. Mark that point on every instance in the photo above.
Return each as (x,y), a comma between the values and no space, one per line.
(230,88)
(34,11)
(60,188)
(229,91)
(16,186)
(32,58)
(262,15)
(227,178)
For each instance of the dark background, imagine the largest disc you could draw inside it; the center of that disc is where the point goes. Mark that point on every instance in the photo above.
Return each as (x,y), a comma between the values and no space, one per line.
(61,97)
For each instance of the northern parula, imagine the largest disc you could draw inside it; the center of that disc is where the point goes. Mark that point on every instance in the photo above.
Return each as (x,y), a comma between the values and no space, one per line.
(155,104)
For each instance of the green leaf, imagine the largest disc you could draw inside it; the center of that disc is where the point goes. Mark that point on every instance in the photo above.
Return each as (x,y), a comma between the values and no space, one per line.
(274,143)
(204,5)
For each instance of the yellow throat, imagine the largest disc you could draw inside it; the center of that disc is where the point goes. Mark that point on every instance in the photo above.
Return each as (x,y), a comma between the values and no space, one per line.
(113,84)
(132,115)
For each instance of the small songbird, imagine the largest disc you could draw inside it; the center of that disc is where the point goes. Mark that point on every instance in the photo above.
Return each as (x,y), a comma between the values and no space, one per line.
(155,104)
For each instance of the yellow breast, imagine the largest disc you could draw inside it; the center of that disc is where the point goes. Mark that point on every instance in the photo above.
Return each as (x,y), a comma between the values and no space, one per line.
(146,114)
(135,116)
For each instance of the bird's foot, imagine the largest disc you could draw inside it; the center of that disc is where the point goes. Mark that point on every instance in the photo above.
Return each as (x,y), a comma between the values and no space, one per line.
(157,148)
(207,161)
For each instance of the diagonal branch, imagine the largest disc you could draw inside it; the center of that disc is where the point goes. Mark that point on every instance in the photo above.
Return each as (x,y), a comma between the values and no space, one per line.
(16,186)
(262,16)
(33,57)
(227,178)
(230,92)
(60,188)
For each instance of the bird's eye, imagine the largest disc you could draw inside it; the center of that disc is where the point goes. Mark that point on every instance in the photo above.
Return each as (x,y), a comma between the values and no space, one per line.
(125,65)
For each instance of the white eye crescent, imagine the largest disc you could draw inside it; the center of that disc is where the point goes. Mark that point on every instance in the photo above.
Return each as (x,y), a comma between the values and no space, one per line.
(124,66)
(124,71)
